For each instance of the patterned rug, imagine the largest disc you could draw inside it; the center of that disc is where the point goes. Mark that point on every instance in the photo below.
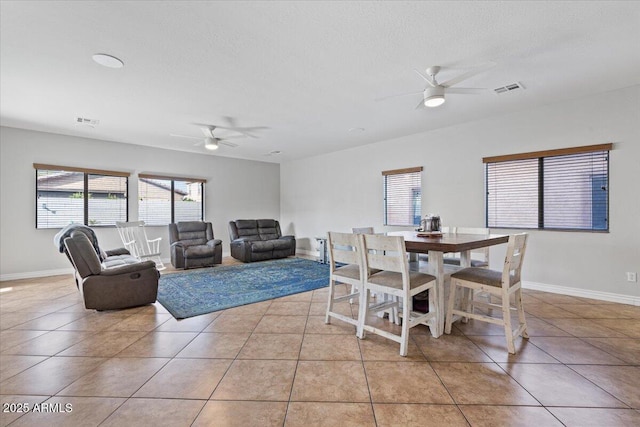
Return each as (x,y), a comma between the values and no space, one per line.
(201,291)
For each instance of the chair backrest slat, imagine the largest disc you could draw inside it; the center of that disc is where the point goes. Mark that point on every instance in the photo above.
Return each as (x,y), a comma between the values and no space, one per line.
(385,253)
(343,248)
(514,259)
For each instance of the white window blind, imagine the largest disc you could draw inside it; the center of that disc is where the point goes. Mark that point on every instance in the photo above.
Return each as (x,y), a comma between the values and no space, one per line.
(163,200)
(66,195)
(565,189)
(402,196)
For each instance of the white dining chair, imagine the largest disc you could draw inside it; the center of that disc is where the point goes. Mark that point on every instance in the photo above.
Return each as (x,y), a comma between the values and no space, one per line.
(499,283)
(345,266)
(388,254)
(391,313)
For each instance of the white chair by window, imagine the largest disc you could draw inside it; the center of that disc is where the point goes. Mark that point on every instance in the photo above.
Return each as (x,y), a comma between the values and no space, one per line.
(500,283)
(345,266)
(388,254)
(134,238)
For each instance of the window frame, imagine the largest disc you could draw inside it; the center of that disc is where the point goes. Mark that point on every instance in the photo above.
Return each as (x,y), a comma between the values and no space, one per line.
(540,156)
(172,180)
(85,191)
(410,209)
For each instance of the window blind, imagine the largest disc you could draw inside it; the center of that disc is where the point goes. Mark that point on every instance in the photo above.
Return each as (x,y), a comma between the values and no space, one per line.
(402,196)
(163,200)
(550,190)
(66,195)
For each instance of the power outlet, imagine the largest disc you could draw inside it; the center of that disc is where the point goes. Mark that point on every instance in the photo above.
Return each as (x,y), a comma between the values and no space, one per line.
(632,277)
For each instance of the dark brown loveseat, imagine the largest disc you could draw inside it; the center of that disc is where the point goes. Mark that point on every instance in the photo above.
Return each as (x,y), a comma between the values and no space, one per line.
(259,240)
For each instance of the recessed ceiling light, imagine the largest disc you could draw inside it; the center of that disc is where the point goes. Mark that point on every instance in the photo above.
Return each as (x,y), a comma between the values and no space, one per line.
(356,130)
(108,60)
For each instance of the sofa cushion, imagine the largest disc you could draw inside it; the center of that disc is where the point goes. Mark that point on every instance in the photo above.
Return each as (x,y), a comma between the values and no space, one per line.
(247,227)
(199,251)
(117,260)
(280,244)
(262,246)
(83,254)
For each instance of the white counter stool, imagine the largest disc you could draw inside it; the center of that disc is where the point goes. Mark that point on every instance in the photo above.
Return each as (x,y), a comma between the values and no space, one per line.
(388,254)
(345,266)
(499,283)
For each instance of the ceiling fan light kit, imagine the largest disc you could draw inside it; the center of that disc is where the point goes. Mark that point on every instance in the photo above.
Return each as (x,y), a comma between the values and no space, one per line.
(434,96)
(211,143)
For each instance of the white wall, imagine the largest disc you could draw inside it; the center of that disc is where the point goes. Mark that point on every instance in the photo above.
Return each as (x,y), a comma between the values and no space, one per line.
(234,189)
(341,190)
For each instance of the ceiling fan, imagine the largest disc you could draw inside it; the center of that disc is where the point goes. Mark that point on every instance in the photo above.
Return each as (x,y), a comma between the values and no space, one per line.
(210,141)
(433,94)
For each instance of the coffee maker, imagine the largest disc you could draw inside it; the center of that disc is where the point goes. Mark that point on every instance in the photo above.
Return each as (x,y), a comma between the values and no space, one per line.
(431,222)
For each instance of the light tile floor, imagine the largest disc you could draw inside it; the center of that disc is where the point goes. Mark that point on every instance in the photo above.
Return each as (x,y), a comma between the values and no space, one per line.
(276,363)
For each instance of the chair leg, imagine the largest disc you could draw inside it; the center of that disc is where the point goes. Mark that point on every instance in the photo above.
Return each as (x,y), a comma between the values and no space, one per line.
(404,337)
(395,311)
(521,318)
(363,312)
(467,302)
(506,318)
(353,290)
(452,298)
(332,287)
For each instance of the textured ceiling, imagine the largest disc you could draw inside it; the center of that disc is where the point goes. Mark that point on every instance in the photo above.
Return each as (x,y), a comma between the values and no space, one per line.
(307,71)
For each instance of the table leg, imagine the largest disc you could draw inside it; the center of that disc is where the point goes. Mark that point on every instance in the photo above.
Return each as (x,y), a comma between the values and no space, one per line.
(436,269)
(467,294)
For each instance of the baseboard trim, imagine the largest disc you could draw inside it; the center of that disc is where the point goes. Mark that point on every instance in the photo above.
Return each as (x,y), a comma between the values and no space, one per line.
(34,274)
(584,293)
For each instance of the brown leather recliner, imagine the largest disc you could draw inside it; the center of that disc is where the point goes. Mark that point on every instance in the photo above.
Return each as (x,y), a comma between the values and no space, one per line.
(119,281)
(193,245)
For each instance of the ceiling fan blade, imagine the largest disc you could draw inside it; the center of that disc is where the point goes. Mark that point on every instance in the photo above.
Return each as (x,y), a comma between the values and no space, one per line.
(207,131)
(420,105)
(225,142)
(235,136)
(425,78)
(239,130)
(466,90)
(384,98)
(185,136)
(468,74)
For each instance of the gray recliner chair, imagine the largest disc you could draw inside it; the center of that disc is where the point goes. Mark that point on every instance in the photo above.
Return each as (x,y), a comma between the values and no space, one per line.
(193,245)
(111,280)
(259,239)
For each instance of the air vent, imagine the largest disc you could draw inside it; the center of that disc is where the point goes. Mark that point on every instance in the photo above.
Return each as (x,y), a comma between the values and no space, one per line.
(508,88)
(87,122)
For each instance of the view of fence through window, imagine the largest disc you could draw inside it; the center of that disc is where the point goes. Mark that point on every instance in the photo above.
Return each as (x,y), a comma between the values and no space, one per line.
(66,196)
(156,206)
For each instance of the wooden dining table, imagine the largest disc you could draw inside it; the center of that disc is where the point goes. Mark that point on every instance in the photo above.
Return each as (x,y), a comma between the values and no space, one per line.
(436,247)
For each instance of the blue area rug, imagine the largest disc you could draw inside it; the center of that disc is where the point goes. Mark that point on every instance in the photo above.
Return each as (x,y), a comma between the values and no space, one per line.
(196,292)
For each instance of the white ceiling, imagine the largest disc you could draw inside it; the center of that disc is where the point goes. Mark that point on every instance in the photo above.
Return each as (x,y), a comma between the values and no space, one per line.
(309,71)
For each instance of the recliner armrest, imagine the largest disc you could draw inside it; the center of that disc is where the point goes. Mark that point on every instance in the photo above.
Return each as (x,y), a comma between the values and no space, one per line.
(118,251)
(214,242)
(129,268)
(287,238)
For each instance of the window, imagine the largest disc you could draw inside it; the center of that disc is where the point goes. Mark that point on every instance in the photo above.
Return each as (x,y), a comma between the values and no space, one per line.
(66,195)
(162,200)
(566,189)
(402,196)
